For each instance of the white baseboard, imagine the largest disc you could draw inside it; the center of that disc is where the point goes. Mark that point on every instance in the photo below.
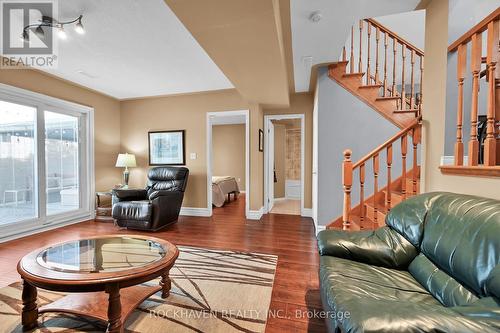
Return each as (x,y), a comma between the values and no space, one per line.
(193,211)
(255,214)
(307,212)
(46,227)
(320,228)
(279,199)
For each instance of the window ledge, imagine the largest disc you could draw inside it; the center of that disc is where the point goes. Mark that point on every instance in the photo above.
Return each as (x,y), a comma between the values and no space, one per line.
(479,171)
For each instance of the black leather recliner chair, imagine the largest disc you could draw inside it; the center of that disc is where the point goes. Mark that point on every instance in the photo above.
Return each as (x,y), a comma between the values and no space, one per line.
(154,207)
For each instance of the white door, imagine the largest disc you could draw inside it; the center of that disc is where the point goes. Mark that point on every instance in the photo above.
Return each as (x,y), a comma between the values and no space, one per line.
(270,168)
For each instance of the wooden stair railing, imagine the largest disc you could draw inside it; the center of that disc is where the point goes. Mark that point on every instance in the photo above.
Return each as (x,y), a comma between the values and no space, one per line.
(398,53)
(491,74)
(348,168)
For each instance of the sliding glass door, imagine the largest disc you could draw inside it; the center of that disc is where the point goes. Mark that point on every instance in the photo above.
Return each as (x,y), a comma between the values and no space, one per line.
(17,163)
(61,162)
(46,170)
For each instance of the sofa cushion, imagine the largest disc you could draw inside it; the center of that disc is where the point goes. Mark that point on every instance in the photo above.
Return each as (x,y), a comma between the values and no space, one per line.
(408,218)
(364,298)
(442,286)
(461,238)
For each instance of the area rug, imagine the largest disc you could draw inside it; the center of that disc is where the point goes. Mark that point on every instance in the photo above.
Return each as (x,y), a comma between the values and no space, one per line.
(212,291)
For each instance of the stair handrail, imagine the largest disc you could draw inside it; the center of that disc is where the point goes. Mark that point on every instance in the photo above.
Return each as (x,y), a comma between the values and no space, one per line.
(401,78)
(486,154)
(478,28)
(394,35)
(384,145)
(414,129)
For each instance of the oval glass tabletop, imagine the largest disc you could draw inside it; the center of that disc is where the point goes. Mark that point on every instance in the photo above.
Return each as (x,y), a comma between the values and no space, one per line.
(99,255)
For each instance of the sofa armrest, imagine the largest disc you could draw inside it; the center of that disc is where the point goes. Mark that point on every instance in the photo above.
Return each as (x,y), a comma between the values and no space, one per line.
(382,247)
(129,195)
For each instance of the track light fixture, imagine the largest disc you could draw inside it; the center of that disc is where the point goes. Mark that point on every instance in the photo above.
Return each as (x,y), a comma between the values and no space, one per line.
(52,23)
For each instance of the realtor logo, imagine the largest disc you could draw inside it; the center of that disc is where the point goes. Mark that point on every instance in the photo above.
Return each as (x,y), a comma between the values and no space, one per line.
(24,40)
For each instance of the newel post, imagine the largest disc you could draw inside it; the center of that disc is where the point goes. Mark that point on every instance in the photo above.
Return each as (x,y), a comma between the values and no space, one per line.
(347,182)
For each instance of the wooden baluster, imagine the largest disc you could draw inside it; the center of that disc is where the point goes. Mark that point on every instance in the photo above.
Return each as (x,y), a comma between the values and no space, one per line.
(415,141)
(360,63)
(347,182)
(403,93)
(386,45)
(351,58)
(461,67)
(412,80)
(394,50)
(368,70)
(490,143)
(389,180)
(362,193)
(377,42)
(404,151)
(475,68)
(344,55)
(375,189)
(421,99)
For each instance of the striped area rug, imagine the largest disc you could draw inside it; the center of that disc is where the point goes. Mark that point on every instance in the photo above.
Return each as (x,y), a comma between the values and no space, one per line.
(212,291)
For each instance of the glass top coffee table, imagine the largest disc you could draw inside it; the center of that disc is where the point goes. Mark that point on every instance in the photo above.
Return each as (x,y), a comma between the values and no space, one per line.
(103,275)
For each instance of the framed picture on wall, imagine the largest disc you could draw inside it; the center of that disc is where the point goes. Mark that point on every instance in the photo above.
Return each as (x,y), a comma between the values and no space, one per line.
(167,148)
(261,140)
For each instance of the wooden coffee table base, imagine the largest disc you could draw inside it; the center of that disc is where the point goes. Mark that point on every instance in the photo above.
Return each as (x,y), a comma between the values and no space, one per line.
(121,303)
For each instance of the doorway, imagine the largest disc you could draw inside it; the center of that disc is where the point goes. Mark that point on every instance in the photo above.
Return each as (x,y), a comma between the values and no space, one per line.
(228,162)
(284,164)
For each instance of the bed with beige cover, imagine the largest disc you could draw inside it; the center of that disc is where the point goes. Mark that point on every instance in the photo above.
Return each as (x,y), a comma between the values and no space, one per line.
(221,187)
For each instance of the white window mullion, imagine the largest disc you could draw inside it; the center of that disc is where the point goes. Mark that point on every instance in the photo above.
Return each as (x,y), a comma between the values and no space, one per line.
(41,168)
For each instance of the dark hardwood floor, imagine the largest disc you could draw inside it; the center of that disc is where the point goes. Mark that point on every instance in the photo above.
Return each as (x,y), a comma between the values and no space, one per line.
(291,238)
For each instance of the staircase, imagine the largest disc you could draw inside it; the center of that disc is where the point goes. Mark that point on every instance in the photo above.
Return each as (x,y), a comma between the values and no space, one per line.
(384,87)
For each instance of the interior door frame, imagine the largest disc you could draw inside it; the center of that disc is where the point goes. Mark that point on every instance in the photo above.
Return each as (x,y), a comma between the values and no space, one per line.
(267,166)
(210,122)
(270,170)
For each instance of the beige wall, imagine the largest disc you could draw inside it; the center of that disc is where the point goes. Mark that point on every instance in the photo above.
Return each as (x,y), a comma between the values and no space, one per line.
(187,112)
(106,117)
(256,158)
(434,93)
(228,152)
(302,103)
(279,160)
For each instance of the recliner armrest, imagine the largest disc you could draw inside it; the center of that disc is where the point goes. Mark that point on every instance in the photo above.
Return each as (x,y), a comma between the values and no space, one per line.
(382,247)
(163,193)
(129,195)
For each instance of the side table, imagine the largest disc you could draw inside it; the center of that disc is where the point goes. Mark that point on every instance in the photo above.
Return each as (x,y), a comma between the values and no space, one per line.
(103,208)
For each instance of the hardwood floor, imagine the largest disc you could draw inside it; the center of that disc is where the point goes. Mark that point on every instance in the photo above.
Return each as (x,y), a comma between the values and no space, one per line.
(291,238)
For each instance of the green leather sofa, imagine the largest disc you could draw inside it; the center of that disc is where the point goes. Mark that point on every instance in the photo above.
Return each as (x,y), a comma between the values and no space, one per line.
(433,268)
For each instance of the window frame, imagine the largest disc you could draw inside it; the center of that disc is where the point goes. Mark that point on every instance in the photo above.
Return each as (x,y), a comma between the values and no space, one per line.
(85,116)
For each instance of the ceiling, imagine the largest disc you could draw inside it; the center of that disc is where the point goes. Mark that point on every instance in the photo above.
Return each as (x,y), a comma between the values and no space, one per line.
(321,42)
(134,48)
(244,38)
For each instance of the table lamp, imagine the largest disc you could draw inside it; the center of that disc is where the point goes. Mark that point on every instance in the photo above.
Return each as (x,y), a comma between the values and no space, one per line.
(126,161)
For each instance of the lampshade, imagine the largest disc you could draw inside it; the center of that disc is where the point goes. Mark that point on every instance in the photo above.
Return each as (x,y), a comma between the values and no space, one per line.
(126,161)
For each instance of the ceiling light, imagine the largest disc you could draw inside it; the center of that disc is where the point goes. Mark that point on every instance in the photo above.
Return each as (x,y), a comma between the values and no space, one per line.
(25,37)
(39,32)
(61,33)
(79,27)
(50,22)
(315,16)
